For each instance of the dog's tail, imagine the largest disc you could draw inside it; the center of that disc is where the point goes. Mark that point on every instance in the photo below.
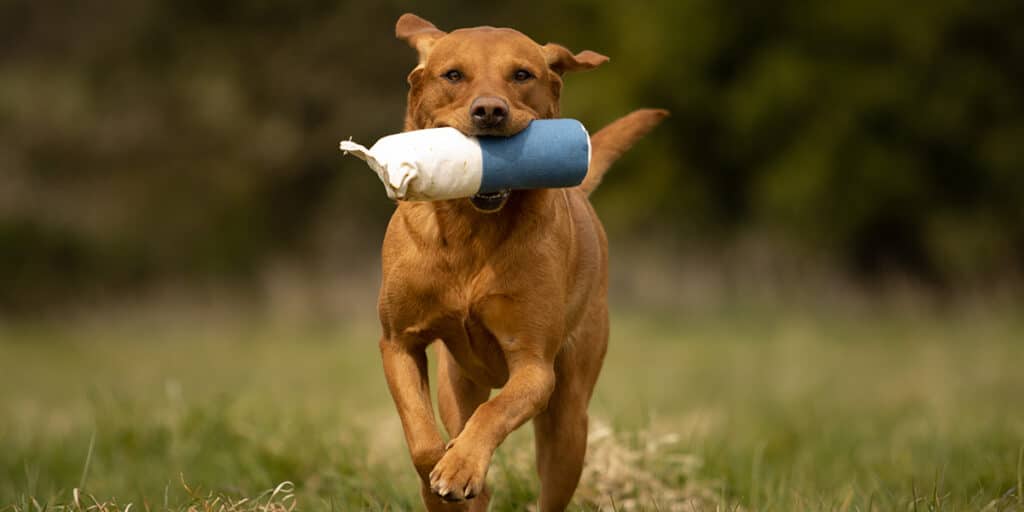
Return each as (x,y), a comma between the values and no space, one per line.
(608,144)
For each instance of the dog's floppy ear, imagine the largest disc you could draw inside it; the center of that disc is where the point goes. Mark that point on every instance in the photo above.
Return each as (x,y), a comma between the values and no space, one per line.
(418,33)
(561,60)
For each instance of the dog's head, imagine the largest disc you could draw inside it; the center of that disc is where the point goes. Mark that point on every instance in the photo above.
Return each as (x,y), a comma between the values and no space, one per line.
(484,81)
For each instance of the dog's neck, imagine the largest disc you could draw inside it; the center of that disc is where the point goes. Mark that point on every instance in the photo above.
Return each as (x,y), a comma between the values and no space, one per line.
(454,225)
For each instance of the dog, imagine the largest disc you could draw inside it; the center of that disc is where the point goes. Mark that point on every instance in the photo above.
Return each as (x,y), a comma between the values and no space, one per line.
(512,284)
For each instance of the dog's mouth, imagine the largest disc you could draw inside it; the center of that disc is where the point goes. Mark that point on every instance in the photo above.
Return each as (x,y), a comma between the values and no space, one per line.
(473,131)
(489,202)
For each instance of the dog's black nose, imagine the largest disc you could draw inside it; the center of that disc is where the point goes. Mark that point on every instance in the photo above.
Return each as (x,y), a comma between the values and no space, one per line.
(488,112)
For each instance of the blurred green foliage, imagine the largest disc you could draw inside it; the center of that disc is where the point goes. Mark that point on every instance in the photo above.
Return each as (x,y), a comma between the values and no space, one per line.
(147,139)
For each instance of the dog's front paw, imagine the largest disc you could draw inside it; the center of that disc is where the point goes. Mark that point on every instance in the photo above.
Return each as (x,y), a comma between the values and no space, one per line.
(461,472)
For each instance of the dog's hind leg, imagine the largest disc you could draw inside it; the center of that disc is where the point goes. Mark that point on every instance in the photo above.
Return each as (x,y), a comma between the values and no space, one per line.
(560,432)
(561,439)
(457,395)
(457,398)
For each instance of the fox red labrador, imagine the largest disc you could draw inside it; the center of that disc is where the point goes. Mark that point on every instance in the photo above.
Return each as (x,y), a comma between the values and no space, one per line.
(512,285)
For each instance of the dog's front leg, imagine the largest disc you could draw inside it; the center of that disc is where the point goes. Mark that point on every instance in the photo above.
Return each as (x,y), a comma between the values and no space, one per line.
(461,471)
(530,348)
(405,367)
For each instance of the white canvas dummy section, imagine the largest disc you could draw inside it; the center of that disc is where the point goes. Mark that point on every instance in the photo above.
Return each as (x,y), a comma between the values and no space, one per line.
(424,165)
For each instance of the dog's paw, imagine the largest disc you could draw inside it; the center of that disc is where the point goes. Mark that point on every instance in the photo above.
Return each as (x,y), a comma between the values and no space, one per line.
(460,473)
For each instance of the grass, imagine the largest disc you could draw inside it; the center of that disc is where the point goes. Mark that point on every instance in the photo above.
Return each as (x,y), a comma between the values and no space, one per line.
(751,411)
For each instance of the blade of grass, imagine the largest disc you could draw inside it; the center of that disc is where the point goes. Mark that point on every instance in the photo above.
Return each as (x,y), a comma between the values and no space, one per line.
(1020,476)
(913,493)
(88,460)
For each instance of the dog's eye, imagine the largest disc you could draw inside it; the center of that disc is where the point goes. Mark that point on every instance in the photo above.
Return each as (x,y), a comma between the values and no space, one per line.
(452,75)
(522,75)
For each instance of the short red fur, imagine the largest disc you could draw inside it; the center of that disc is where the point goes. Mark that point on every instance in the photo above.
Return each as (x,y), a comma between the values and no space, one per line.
(516,296)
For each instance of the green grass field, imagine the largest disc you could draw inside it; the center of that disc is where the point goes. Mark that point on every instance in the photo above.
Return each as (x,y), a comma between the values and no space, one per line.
(724,412)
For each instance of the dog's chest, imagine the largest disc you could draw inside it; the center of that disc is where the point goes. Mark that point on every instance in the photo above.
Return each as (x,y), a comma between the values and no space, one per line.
(468,338)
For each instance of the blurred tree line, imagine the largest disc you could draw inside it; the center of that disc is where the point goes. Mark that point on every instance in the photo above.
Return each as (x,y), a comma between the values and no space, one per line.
(146,140)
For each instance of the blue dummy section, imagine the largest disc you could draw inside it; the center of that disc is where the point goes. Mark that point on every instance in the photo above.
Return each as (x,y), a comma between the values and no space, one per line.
(549,153)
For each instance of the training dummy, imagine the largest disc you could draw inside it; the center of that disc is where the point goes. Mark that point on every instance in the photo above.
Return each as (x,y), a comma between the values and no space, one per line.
(442,163)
